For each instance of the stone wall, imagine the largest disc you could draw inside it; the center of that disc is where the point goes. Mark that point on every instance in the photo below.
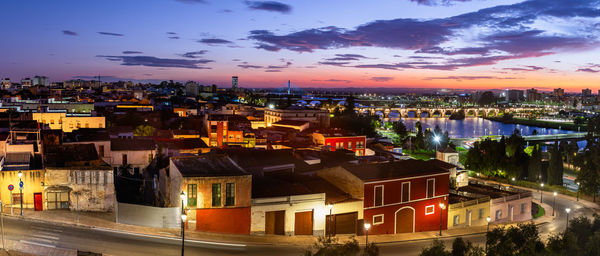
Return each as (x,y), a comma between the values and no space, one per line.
(148,216)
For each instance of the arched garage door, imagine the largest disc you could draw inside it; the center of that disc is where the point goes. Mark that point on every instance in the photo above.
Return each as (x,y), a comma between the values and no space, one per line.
(405,220)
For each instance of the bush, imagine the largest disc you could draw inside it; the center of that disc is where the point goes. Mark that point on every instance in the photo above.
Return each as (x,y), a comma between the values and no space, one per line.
(332,247)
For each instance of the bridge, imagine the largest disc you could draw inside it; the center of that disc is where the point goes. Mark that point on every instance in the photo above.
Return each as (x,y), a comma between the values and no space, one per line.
(555,137)
(400,112)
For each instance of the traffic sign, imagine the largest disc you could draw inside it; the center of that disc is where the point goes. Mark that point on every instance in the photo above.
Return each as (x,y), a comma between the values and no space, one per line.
(21,184)
(11,187)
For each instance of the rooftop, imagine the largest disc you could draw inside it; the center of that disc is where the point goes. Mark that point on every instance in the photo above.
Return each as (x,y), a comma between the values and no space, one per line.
(291,184)
(394,170)
(135,144)
(208,165)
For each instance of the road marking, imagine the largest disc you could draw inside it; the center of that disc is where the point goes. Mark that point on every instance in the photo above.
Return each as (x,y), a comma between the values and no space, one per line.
(45,236)
(38,244)
(48,229)
(172,238)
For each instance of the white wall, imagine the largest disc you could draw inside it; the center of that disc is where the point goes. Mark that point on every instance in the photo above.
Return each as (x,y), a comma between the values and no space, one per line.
(291,205)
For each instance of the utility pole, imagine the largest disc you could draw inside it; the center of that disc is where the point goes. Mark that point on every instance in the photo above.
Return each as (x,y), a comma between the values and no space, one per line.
(2,224)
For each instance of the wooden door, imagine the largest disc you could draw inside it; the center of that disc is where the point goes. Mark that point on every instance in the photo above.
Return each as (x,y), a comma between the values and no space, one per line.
(303,224)
(405,220)
(38,203)
(275,223)
(345,223)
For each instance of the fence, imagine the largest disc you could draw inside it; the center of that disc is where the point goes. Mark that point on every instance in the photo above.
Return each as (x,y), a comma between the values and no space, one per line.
(148,216)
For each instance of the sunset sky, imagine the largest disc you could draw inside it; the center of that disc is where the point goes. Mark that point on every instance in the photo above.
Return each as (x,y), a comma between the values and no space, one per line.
(477,44)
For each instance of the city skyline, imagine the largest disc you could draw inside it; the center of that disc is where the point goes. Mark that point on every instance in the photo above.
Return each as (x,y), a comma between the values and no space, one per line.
(409,43)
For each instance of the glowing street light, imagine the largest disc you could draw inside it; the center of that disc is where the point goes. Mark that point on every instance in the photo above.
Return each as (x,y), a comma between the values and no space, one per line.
(568,210)
(578,191)
(488,229)
(542,193)
(20,174)
(330,206)
(436,139)
(183,218)
(367,227)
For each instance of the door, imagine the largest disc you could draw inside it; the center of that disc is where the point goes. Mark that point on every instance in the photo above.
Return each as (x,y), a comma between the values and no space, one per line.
(38,203)
(275,223)
(303,224)
(345,223)
(405,220)
(468,220)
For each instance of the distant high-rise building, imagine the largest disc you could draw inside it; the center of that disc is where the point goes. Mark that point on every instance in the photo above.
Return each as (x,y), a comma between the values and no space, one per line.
(586,92)
(514,95)
(40,80)
(6,83)
(26,82)
(533,95)
(559,92)
(192,88)
(234,82)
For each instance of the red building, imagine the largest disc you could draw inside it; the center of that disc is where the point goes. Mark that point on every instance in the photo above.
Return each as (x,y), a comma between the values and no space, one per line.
(403,196)
(337,140)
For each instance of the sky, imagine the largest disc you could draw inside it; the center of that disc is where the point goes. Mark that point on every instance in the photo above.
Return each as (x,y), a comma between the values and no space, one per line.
(479,44)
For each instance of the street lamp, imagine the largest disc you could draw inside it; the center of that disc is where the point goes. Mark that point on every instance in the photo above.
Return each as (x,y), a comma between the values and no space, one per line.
(436,138)
(542,194)
(578,191)
(568,210)
(20,174)
(554,203)
(330,206)
(367,227)
(183,218)
(2,223)
(442,206)
(488,229)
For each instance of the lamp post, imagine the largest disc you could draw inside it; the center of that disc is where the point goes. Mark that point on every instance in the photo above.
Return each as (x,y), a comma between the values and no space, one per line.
(488,230)
(542,193)
(554,203)
(436,138)
(330,206)
(578,191)
(442,206)
(367,227)
(183,218)
(2,223)
(568,210)
(20,174)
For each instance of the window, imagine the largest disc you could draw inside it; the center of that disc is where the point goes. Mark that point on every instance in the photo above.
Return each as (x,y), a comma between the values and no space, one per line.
(523,208)
(230,194)
(124,159)
(378,195)
(430,209)
(456,220)
(378,219)
(101,151)
(51,121)
(216,194)
(480,213)
(498,214)
(350,145)
(405,192)
(430,188)
(192,193)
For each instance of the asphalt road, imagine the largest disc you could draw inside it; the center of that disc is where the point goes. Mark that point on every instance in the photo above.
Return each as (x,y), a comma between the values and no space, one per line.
(109,242)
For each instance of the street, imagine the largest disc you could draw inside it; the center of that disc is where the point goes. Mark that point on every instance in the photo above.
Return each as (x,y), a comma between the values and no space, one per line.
(115,243)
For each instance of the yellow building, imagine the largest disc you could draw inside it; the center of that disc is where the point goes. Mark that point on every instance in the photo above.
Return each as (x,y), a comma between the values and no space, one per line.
(32,187)
(60,121)
(469,213)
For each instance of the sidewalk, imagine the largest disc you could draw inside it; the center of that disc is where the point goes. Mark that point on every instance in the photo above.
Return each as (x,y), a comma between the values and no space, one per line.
(14,248)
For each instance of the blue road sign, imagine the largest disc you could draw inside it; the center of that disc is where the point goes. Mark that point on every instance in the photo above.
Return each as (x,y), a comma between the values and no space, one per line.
(21,184)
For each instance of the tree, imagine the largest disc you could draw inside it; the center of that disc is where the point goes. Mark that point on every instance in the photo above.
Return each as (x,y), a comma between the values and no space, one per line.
(332,247)
(460,247)
(143,130)
(349,107)
(517,159)
(437,248)
(400,129)
(419,138)
(486,98)
(555,167)
(523,240)
(535,164)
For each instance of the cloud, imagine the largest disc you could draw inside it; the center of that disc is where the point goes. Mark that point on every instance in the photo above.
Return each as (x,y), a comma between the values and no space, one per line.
(382,78)
(272,70)
(437,2)
(194,55)
(173,37)
(460,78)
(270,6)
(214,41)
(131,52)
(496,34)
(69,33)
(150,61)
(525,68)
(589,70)
(334,63)
(192,1)
(346,57)
(246,66)
(332,80)
(110,34)
(171,33)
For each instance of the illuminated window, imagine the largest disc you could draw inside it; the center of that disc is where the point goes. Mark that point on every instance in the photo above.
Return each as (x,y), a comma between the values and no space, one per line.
(430,209)
(378,219)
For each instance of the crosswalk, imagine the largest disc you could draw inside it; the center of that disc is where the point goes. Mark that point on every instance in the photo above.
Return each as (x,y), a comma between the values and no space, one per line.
(43,236)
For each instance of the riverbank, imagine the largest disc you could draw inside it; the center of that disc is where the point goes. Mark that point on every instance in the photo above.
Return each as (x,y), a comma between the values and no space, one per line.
(540,123)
